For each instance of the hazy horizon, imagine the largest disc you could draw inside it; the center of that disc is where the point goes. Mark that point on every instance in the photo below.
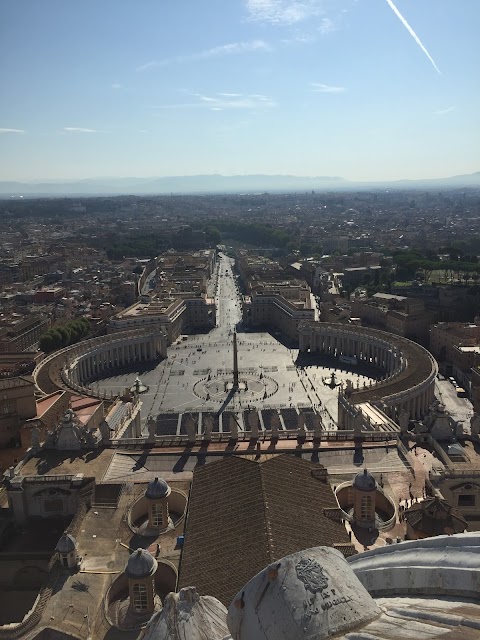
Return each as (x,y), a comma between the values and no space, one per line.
(231,175)
(367,90)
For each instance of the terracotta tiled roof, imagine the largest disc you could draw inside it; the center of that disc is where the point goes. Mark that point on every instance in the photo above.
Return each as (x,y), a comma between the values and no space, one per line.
(243,515)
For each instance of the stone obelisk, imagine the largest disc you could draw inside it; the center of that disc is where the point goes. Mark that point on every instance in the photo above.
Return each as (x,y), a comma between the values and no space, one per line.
(235,361)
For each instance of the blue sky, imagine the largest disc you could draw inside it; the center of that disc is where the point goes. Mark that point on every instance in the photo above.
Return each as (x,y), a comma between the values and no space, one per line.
(364,89)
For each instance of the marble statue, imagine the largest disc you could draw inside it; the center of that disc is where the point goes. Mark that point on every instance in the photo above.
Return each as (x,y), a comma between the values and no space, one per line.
(403,420)
(208,427)
(358,422)
(152,427)
(475,424)
(253,423)
(233,426)
(274,425)
(104,431)
(188,615)
(191,428)
(317,426)
(35,437)
(302,432)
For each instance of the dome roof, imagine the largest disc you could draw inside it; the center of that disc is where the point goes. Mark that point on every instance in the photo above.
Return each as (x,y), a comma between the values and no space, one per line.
(309,594)
(365,481)
(141,564)
(188,615)
(66,544)
(157,488)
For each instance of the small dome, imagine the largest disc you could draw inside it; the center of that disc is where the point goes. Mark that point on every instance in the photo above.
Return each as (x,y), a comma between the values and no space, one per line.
(157,488)
(365,481)
(141,564)
(188,615)
(66,544)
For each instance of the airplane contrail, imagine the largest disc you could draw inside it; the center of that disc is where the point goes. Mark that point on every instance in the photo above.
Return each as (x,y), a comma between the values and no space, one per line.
(412,33)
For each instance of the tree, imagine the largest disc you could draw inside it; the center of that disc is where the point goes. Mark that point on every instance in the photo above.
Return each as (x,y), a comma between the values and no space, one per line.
(64,335)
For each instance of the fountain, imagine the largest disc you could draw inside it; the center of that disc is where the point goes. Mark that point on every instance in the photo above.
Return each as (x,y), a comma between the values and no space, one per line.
(138,386)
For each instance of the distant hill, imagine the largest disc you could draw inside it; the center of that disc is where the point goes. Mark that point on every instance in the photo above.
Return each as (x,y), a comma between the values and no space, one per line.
(468,180)
(216,184)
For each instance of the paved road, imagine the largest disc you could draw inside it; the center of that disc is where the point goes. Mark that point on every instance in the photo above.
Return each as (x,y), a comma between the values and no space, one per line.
(228,301)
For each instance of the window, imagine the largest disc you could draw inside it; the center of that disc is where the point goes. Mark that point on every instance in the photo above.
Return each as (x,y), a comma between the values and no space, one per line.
(139,591)
(157,514)
(466,500)
(365,508)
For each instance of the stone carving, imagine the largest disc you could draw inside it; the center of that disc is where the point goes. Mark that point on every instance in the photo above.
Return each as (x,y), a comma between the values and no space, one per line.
(274,424)
(358,422)
(253,423)
(208,428)
(311,574)
(69,435)
(233,426)
(92,437)
(442,426)
(475,424)
(310,594)
(104,431)
(188,615)
(403,420)
(35,438)
(50,438)
(191,428)
(152,427)
(301,426)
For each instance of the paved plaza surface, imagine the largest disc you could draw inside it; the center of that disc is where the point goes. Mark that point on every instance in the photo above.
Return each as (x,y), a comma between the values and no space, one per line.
(274,375)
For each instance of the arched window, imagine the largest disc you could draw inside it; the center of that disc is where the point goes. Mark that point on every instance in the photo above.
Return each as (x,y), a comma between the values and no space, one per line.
(139,591)
(366,508)
(157,514)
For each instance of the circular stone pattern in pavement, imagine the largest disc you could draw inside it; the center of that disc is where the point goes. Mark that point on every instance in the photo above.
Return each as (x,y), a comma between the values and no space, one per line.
(252,387)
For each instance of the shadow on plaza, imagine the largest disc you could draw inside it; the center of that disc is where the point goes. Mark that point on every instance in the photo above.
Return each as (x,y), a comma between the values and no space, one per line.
(314,359)
(140,368)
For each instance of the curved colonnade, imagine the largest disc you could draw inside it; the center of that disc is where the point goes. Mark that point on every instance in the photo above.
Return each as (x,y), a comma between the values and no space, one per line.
(77,365)
(408,385)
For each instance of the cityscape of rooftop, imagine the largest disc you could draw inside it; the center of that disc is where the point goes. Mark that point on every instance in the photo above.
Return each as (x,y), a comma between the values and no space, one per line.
(239,320)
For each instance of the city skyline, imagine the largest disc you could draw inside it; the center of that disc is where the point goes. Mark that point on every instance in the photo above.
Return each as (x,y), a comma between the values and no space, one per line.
(363,90)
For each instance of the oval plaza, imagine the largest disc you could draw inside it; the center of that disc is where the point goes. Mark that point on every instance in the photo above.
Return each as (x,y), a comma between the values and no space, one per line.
(409,371)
